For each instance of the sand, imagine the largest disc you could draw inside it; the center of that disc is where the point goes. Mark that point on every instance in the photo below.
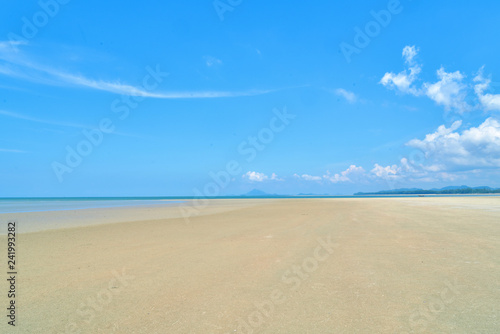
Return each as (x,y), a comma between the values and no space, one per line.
(375,265)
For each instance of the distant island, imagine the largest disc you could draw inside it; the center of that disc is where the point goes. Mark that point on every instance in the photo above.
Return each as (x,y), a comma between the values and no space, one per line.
(257,193)
(442,191)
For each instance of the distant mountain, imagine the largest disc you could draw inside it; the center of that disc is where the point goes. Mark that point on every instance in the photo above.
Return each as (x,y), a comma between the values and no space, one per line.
(453,188)
(257,192)
(483,187)
(442,191)
(407,189)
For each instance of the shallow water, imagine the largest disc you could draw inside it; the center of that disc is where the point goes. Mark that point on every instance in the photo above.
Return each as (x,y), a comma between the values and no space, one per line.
(40,205)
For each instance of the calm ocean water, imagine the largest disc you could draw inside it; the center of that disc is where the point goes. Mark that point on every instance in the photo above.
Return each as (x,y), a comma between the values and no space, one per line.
(15,205)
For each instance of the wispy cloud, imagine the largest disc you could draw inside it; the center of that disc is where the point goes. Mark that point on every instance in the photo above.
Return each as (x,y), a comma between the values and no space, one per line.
(124,89)
(16,64)
(63,124)
(307,177)
(11,45)
(349,96)
(211,61)
(275,177)
(38,120)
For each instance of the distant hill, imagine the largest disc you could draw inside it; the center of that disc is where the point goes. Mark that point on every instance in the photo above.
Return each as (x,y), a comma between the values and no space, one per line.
(257,192)
(434,191)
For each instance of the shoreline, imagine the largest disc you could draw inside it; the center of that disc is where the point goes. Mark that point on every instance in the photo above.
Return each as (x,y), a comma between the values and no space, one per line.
(36,221)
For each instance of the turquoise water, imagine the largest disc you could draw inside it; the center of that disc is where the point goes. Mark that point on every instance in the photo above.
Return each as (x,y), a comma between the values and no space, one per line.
(15,205)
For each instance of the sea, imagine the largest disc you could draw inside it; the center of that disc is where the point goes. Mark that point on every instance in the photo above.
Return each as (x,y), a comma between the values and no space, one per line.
(18,205)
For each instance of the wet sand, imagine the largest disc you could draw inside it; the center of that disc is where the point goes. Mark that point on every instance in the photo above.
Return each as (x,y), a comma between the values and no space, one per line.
(374,265)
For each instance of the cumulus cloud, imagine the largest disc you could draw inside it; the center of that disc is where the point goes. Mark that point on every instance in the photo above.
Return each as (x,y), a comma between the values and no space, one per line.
(449,91)
(404,172)
(385,172)
(449,149)
(404,80)
(447,154)
(349,96)
(488,101)
(260,177)
(351,174)
(407,172)
(346,176)
(357,174)
(255,176)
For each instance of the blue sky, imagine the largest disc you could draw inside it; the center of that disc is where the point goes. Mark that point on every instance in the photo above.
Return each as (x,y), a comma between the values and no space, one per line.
(221,97)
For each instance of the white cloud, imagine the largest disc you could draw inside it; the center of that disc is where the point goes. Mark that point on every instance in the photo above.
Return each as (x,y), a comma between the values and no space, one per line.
(308,177)
(211,61)
(488,101)
(255,176)
(124,89)
(406,165)
(410,52)
(60,123)
(404,80)
(401,81)
(11,45)
(260,177)
(474,147)
(349,96)
(16,64)
(385,172)
(38,120)
(408,171)
(397,175)
(275,177)
(449,91)
(346,176)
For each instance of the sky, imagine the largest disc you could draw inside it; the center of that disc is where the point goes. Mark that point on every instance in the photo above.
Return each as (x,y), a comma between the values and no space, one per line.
(213,98)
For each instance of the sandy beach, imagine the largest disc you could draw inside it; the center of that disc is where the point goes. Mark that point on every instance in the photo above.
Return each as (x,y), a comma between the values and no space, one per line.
(371,265)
